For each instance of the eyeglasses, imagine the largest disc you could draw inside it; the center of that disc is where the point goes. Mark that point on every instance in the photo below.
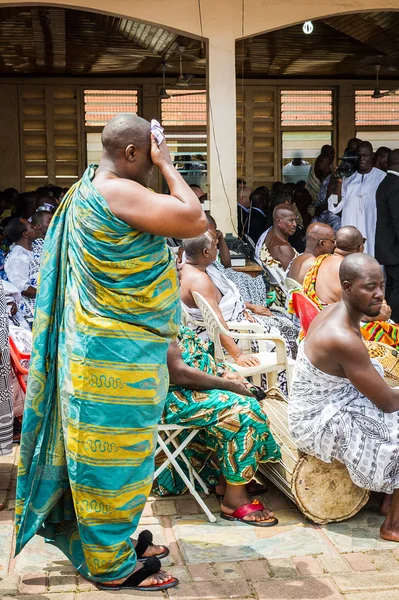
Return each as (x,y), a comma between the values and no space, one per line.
(327,240)
(364,240)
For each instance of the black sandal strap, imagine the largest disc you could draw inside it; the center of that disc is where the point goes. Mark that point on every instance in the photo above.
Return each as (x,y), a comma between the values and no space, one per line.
(144,540)
(151,566)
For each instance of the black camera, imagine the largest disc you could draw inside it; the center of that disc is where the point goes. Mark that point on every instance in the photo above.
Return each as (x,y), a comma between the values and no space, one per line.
(348,164)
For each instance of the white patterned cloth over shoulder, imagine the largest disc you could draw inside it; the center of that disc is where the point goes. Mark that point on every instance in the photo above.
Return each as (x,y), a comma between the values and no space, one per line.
(330,419)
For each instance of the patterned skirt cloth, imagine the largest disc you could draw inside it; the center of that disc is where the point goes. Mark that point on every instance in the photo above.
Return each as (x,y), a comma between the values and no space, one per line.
(232,428)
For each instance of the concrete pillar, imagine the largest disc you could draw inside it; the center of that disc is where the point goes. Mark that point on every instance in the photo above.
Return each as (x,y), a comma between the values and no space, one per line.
(222,153)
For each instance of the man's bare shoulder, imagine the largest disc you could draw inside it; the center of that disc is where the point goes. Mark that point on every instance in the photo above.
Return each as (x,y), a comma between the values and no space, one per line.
(276,242)
(112,188)
(194,277)
(331,328)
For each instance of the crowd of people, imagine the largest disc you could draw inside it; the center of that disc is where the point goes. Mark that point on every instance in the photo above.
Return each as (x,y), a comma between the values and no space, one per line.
(24,221)
(111,358)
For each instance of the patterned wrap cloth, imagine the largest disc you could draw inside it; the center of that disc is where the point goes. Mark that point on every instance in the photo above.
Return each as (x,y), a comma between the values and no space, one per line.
(330,419)
(6,400)
(234,427)
(375,331)
(106,311)
(273,263)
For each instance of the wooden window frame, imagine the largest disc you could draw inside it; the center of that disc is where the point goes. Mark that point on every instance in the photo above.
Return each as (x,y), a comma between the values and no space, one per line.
(281,128)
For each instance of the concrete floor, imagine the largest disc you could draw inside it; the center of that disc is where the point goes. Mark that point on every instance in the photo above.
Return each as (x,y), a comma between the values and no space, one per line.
(294,560)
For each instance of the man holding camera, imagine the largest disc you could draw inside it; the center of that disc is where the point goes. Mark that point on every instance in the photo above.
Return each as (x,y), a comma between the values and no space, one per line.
(357,196)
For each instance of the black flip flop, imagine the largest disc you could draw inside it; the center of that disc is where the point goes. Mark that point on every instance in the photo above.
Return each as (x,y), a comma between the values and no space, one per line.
(144,540)
(152,565)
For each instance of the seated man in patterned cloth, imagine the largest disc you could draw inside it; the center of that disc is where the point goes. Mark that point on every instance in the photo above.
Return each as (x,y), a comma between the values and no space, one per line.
(340,406)
(320,239)
(322,286)
(199,275)
(276,250)
(234,435)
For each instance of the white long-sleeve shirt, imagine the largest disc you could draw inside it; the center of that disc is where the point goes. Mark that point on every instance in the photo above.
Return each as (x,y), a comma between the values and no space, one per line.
(17,265)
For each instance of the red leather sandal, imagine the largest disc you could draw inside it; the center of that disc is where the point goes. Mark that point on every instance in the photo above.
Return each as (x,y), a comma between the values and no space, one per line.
(247,509)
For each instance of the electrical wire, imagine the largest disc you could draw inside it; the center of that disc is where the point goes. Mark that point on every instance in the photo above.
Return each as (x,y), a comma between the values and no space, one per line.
(232,219)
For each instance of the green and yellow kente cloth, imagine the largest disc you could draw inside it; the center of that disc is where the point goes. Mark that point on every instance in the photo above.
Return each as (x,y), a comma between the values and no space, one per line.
(232,427)
(375,331)
(106,311)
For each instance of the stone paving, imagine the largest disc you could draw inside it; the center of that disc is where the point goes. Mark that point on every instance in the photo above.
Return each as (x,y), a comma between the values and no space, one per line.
(214,561)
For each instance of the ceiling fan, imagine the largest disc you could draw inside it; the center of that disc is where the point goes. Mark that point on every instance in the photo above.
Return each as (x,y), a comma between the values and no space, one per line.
(184,82)
(199,60)
(377,94)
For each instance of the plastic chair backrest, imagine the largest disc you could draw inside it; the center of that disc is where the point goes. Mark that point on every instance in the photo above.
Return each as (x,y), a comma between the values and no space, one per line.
(16,356)
(305,309)
(212,324)
(291,284)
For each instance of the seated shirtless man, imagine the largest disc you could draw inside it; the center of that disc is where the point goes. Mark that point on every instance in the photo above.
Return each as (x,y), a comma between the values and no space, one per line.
(340,406)
(320,239)
(322,285)
(199,275)
(276,249)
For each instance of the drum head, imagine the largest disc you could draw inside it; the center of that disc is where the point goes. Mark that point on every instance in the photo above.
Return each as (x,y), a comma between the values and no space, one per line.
(324,492)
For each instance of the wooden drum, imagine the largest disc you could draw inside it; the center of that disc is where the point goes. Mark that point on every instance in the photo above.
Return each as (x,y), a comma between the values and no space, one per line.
(323,492)
(389,359)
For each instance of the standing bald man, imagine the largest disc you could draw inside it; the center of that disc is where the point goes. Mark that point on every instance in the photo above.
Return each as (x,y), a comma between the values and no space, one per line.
(387,232)
(107,309)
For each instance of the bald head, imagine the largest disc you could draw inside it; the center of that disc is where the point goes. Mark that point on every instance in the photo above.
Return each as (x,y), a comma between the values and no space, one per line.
(124,130)
(281,211)
(284,220)
(349,239)
(362,284)
(358,266)
(320,239)
(365,145)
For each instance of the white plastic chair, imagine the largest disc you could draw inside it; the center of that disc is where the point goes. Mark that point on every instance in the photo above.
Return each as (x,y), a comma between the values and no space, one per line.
(290,284)
(187,319)
(271,363)
(171,432)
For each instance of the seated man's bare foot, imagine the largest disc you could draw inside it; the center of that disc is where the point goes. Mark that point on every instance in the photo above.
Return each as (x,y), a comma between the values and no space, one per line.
(389,531)
(160,577)
(385,504)
(236,497)
(253,487)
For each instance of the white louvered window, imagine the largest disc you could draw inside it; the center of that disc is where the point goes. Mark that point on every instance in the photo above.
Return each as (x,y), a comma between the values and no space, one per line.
(184,118)
(99,107)
(377,120)
(307,124)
